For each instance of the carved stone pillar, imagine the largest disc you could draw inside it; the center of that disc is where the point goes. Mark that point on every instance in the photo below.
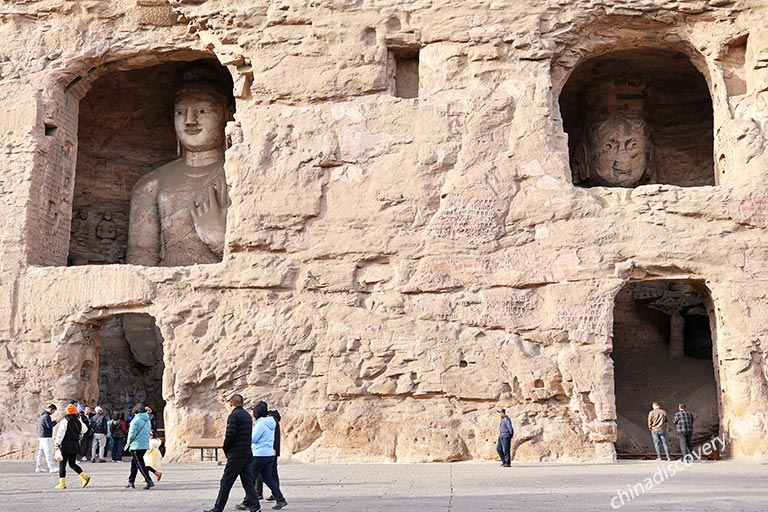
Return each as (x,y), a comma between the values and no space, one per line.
(676,336)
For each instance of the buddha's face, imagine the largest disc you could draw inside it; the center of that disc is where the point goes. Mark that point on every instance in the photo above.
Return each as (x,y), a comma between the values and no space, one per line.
(199,120)
(620,148)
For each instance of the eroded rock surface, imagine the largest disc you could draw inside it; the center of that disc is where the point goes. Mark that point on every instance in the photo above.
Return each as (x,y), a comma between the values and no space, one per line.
(394,268)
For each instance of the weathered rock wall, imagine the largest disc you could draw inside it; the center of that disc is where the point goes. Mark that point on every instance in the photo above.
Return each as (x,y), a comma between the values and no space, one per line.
(395,268)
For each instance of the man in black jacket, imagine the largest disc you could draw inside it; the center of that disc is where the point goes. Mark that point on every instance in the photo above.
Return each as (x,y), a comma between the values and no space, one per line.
(45,438)
(237,448)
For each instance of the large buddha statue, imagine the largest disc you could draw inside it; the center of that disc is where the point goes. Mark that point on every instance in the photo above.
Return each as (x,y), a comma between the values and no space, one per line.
(615,148)
(179,210)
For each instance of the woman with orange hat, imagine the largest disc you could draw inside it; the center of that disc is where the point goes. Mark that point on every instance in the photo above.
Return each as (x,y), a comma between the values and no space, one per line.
(68,441)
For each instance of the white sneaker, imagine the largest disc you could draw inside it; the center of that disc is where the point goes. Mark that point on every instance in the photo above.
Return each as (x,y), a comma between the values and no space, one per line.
(53,470)
(39,470)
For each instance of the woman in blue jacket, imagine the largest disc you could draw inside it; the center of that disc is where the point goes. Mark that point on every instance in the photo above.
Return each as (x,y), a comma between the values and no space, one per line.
(138,443)
(263,449)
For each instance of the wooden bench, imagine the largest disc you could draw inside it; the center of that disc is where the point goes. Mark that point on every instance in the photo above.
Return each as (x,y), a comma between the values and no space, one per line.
(206,445)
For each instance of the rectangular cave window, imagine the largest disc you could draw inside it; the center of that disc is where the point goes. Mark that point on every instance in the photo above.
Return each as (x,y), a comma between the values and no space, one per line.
(404,72)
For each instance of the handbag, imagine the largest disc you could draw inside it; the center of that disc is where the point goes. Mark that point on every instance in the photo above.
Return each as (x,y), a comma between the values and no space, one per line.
(57,456)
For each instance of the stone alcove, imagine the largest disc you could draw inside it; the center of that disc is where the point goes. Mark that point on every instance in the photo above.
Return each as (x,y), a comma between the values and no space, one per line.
(125,129)
(663,350)
(638,116)
(130,363)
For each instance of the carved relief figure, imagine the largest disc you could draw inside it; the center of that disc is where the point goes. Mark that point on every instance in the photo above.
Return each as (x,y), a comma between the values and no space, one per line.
(80,226)
(615,149)
(178,211)
(106,232)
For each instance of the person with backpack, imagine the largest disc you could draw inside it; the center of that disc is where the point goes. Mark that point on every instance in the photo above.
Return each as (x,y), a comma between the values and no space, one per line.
(506,431)
(138,443)
(119,433)
(68,443)
(99,426)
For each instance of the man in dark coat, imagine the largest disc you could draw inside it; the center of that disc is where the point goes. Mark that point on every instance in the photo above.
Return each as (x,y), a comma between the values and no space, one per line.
(237,448)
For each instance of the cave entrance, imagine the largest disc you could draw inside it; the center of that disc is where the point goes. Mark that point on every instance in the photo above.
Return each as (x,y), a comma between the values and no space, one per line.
(663,346)
(131,365)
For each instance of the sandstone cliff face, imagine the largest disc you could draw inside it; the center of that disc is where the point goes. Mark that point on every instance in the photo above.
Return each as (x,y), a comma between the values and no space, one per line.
(395,268)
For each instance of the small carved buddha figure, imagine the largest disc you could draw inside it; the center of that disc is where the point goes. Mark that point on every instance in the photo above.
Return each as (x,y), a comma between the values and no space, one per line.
(179,210)
(616,149)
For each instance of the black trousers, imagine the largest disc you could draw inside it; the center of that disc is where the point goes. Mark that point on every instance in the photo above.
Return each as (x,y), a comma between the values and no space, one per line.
(236,467)
(260,480)
(137,465)
(71,459)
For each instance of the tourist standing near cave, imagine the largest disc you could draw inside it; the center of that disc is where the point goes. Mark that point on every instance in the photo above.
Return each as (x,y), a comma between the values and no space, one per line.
(657,424)
(503,445)
(45,440)
(684,425)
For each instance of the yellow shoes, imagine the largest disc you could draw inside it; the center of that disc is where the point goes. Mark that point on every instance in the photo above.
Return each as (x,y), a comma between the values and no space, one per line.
(62,484)
(85,478)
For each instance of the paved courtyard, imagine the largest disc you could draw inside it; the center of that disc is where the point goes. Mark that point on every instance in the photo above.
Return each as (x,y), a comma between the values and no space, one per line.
(471,486)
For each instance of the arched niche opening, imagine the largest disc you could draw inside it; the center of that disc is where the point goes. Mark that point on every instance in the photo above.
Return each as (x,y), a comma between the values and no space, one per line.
(664,343)
(130,364)
(124,117)
(639,116)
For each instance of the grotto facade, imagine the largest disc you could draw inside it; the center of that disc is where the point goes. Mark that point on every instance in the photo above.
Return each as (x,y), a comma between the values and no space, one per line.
(409,213)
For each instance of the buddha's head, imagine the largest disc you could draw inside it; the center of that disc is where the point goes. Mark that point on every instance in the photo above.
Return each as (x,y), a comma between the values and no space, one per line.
(618,151)
(201,111)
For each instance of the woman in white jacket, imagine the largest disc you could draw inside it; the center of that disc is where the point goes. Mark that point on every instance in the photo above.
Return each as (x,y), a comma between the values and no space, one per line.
(68,435)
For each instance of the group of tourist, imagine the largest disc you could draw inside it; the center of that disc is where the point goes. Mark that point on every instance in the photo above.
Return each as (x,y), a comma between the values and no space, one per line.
(83,430)
(657,424)
(252,449)
(251,444)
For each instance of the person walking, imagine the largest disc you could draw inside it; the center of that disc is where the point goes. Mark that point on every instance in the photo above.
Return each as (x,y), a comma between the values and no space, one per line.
(259,480)
(153,457)
(504,443)
(119,433)
(263,450)
(68,442)
(684,425)
(45,441)
(138,443)
(237,448)
(99,443)
(657,424)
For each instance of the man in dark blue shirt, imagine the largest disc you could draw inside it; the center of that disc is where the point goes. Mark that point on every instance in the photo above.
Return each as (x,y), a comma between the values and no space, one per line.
(505,438)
